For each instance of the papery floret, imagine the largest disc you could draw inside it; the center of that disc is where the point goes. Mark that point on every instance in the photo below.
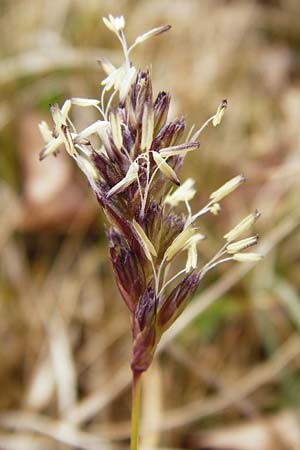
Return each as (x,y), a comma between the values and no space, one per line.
(107,66)
(114,79)
(120,80)
(183,193)
(126,82)
(114,24)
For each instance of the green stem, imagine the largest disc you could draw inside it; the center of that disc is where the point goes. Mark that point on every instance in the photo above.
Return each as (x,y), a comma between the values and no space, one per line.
(135,409)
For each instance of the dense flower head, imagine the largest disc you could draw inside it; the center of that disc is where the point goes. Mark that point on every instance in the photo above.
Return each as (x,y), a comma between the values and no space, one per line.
(131,157)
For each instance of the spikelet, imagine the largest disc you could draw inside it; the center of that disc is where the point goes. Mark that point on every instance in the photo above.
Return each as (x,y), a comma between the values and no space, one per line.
(131,154)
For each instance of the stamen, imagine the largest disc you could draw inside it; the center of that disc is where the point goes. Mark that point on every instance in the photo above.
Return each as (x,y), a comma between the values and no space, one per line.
(47,135)
(184,193)
(148,35)
(243,226)
(116,131)
(227,188)
(114,24)
(179,243)
(147,127)
(247,257)
(238,246)
(144,240)
(165,168)
(84,101)
(130,177)
(220,113)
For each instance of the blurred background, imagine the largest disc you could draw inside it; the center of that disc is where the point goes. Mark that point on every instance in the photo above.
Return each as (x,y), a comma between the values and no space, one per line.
(227,376)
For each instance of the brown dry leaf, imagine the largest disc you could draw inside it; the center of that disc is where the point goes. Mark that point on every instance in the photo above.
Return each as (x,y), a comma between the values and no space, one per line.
(276,433)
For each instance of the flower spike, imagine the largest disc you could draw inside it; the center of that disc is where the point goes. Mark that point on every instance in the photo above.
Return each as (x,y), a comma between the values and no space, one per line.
(131,156)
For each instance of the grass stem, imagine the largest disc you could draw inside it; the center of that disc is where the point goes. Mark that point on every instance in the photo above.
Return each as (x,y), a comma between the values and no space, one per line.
(135,409)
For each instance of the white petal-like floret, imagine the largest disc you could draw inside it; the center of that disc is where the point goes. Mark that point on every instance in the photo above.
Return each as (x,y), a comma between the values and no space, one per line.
(114,24)
(183,193)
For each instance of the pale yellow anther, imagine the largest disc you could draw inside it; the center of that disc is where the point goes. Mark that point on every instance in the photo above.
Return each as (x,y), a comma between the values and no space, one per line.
(147,127)
(215,209)
(247,257)
(107,66)
(63,135)
(165,168)
(96,127)
(220,113)
(62,130)
(184,193)
(149,34)
(104,136)
(87,168)
(114,24)
(179,243)
(236,247)
(126,83)
(191,246)
(145,242)
(85,102)
(116,130)
(121,80)
(51,147)
(192,258)
(241,227)
(113,79)
(65,109)
(130,177)
(227,188)
(45,132)
(68,141)
(197,237)
(179,150)
(58,119)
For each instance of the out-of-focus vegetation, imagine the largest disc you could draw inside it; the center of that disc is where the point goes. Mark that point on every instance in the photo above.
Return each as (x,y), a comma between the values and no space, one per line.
(227,375)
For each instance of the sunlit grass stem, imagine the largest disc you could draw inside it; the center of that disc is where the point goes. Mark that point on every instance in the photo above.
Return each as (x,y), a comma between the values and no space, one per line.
(135,409)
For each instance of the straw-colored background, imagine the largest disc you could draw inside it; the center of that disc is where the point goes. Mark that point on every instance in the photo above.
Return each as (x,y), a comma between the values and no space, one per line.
(227,375)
